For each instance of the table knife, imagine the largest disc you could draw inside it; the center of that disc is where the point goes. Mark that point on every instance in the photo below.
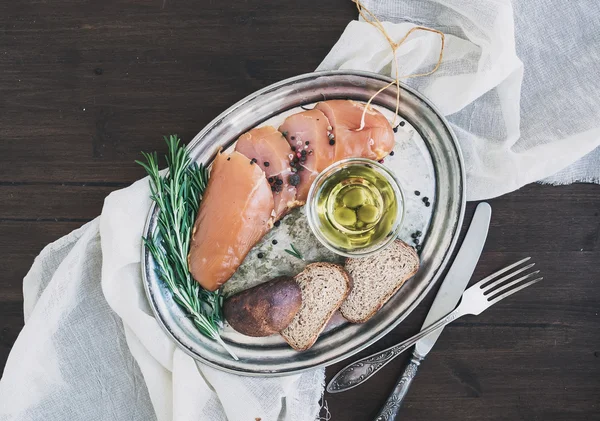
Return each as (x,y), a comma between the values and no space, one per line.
(446,299)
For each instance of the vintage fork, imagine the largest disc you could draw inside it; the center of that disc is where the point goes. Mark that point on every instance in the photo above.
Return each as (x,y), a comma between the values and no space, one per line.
(474,300)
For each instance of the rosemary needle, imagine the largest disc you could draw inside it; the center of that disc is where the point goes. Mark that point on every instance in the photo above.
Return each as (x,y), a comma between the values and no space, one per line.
(177,196)
(294,252)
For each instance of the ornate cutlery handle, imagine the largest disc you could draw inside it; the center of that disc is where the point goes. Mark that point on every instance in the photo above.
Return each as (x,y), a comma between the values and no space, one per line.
(361,370)
(394,401)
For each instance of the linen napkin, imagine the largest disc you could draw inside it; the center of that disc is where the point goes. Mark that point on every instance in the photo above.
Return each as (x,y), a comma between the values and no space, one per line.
(519,82)
(92,350)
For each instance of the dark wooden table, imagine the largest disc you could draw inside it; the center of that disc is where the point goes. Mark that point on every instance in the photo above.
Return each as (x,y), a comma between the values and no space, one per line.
(85,86)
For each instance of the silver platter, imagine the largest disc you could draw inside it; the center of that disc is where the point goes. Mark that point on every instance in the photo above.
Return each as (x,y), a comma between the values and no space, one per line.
(427,157)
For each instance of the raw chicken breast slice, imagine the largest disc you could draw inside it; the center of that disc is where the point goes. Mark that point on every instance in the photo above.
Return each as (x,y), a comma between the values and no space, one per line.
(272,153)
(374,141)
(308,135)
(235,213)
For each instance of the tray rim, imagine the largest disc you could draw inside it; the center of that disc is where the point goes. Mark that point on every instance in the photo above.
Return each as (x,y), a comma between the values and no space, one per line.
(434,280)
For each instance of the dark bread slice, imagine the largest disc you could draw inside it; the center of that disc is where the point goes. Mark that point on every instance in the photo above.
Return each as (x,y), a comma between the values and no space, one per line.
(324,287)
(376,279)
(265,309)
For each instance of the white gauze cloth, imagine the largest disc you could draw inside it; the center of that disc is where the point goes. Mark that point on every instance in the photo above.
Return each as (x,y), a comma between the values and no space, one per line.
(92,350)
(519,83)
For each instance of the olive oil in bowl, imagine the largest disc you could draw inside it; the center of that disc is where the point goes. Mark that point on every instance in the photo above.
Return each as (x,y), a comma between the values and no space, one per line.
(355,207)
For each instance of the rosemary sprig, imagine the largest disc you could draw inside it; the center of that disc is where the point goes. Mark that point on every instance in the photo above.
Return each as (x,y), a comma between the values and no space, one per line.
(177,196)
(294,252)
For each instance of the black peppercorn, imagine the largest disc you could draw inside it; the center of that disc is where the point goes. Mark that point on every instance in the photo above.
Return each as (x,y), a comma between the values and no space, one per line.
(260,255)
(294,179)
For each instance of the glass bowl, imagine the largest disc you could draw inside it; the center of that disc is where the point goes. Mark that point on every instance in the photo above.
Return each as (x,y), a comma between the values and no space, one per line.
(328,194)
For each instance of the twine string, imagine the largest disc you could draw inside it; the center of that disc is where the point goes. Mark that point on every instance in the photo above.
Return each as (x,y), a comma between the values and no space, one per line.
(371,19)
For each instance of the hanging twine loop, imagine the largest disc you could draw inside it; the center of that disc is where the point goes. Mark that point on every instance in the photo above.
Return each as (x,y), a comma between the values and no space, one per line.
(371,19)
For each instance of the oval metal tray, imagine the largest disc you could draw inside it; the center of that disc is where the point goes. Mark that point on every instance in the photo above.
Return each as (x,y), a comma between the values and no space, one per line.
(427,156)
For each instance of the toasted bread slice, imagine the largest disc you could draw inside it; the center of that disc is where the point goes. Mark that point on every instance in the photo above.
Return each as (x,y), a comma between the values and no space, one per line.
(324,287)
(376,278)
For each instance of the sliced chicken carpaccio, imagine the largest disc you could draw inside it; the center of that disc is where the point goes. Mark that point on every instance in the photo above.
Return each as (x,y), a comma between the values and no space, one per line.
(374,141)
(268,148)
(235,213)
(307,134)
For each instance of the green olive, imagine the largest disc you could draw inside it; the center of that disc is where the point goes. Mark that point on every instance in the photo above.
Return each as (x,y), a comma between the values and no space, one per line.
(354,198)
(368,213)
(345,216)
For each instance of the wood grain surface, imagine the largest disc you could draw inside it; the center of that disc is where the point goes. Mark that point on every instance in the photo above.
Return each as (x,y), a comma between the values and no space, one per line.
(85,86)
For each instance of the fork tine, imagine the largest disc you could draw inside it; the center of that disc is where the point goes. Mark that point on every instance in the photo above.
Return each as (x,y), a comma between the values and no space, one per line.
(512,291)
(494,284)
(510,284)
(501,271)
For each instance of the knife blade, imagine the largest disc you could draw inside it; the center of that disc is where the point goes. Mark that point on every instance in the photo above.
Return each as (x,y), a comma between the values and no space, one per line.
(458,276)
(448,295)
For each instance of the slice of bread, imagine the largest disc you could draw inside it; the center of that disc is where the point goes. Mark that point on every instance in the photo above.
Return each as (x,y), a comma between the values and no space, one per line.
(324,287)
(376,278)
